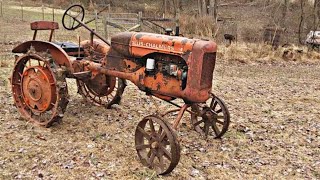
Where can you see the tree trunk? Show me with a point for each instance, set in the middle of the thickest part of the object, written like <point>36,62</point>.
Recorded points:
<point>204,7</point>
<point>284,14</point>
<point>200,8</point>
<point>164,8</point>
<point>316,14</point>
<point>177,6</point>
<point>301,21</point>
<point>213,5</point>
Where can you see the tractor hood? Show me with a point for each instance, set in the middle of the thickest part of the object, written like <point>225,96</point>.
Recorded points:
<point>133,44</point>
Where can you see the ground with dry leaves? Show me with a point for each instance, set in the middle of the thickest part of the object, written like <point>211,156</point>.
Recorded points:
<point>274,134</point>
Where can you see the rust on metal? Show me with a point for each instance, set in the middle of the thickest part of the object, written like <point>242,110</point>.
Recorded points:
<point>178,119</point>
<point>44,25</point>
<point>213,119</point>
<point>157,145</point>
<point>164,66</point>
<point>58,54</point>
<point>40,93</point>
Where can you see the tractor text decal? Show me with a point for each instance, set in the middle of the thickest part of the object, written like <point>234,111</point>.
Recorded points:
<point>153,46</point>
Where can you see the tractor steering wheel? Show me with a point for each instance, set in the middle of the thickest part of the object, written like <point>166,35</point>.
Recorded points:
<point>72,16</point>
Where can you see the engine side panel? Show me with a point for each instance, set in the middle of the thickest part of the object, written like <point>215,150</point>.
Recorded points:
<point>183,67</point>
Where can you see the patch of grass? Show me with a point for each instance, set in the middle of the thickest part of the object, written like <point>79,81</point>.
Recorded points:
<point>316,174</point>
<point>255,52</point>
<point>4,63</point>
<point>149,174</point>
<point>235,135</point>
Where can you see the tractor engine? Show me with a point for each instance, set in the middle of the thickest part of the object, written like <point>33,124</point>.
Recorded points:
<point>165,66</point>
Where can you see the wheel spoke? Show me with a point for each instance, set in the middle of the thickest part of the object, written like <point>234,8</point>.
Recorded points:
<point>73,22</point>
<point>199,122</point>
<point>142,146</point>
<point>220,117</point>
<point>162,136</point>
<point>152,126</point>
<point>214,102</point>
<point>161,162</point>
<point>220,122</point>
<point>215,129</point>
<point>78,15</point>
<point>145,134</point>
<point>153,155</point>
<point>219,111</point>
<point>166,153</point>
<point>160,130</point>
<point>69,15</point>
<point>206,128</point>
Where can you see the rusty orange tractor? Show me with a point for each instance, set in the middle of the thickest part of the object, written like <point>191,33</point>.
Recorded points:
<point>166,67</point>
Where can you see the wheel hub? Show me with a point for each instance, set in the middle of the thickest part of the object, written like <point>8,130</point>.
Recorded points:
<point>209,116</point>
<point>101,85</point>
<point>154,145</point>
<point>35,91</point>
<point>214,118</point>
<point>38,88</point>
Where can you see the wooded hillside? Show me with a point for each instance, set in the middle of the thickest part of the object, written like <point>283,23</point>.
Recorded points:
<point>245,19</point>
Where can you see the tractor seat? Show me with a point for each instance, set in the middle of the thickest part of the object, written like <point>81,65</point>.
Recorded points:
<point>71,48</point>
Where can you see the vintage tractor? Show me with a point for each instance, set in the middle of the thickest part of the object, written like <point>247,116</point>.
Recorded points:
<point>166,67</point>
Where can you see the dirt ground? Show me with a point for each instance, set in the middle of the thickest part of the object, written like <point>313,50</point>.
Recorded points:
<point>274,134</point>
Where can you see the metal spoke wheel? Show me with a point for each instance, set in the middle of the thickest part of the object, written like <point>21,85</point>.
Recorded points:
<point>102,90</point>
<point>39,88</point>
<point>211,120</point>
<point>71,15</point>
<point>157,145</point>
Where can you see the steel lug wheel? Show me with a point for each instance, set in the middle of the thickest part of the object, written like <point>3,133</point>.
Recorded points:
<point>103,90</point>
<point>39,88</point>
<point>211,120</point>
<point>157,145</point>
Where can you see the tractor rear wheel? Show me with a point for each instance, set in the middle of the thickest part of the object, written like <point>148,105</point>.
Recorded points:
<point>39,88</point>
<point>102,90</point>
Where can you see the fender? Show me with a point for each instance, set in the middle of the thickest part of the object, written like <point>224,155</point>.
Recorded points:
<point>59,56</point>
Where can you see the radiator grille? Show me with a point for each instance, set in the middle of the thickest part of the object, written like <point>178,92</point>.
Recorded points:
<point>208,64</point>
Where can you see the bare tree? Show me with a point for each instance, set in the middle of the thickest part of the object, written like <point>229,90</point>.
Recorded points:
<point>302,3</point>
<point>316,7</point>
<point>164,3</point>
<point>318,12</point>
<point>200,7</point>
<point>204,7</point>
<point>213,9</point>
<point>284,13</point>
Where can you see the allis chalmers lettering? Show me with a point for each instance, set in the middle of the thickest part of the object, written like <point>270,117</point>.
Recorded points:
<point>152,45</point>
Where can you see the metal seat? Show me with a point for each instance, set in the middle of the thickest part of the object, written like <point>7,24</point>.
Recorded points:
<point>44,25</point>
